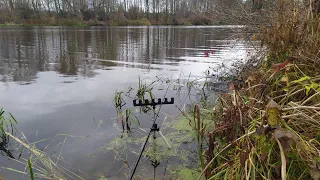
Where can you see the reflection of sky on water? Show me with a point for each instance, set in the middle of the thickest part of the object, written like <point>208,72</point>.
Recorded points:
<point>57,80</point>
<point>50,91</point>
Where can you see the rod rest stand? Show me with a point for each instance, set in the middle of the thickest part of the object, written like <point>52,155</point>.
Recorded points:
<point>153,102</point>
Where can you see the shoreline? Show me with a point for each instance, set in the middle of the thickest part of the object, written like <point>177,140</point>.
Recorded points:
<point>268,125</point>
<point>118,22</point>
<point>86,25</point>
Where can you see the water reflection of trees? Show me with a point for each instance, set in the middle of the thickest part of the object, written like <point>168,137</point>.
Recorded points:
<point>77,51</point>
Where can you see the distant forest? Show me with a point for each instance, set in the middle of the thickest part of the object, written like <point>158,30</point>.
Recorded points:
<point>132,12</point>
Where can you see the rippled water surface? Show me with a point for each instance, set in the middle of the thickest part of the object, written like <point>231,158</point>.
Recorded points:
<point>62,80</point>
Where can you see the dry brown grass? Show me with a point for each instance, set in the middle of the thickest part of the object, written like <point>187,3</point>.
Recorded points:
<point>270,129</point>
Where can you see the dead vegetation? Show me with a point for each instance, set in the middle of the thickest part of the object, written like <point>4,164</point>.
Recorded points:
<point>269,128</point>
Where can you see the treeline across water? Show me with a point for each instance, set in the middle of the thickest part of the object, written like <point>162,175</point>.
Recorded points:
<point>128,12</point>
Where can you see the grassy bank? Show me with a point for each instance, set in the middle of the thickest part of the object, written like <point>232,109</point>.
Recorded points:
<point>120,21</point>
<point>268,126</point>
<point>76,22</point>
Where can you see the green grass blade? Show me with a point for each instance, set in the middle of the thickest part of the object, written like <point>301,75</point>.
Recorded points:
<point>218,174</point>
<point>30,169</point>
<point>14,119</point>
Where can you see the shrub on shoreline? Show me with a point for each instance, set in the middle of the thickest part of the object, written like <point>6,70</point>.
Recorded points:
<point>127,22</point>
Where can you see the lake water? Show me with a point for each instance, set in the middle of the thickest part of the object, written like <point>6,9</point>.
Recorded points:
<point>62,80</point>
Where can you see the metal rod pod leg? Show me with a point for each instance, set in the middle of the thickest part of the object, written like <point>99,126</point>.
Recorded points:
<point>138,160</point>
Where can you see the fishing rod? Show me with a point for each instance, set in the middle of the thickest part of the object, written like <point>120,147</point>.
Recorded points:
<point>154,128</point>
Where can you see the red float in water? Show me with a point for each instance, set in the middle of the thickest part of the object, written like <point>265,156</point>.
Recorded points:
<point>208,53</point>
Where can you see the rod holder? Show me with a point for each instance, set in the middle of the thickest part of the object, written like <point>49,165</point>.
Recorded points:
<point>153,102</point>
